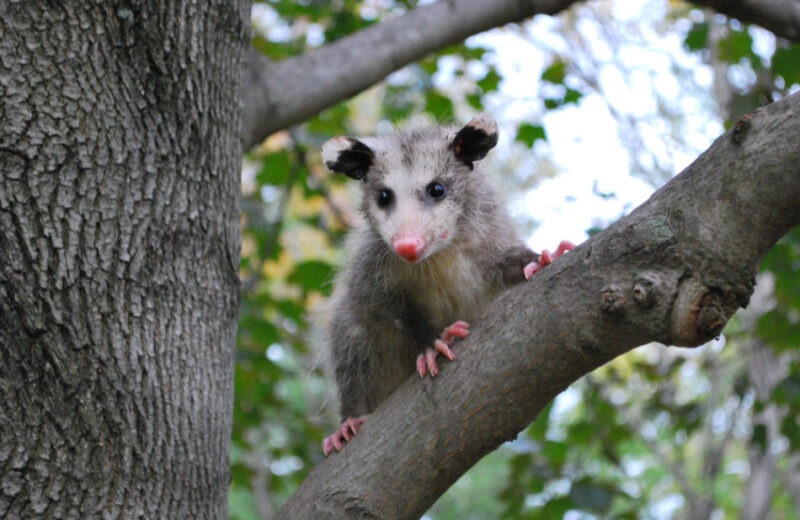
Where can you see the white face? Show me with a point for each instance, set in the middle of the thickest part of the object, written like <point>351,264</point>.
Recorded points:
<point>417,182</point>
<point>412,195</point>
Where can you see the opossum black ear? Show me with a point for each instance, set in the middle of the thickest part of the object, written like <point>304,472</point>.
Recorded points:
<point>348,156</point>
<point>474,141</point>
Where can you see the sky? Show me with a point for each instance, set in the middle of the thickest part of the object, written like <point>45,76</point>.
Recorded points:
<point>631,77</point>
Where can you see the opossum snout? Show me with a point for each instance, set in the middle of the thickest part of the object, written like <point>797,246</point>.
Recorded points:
<point>409,247</point>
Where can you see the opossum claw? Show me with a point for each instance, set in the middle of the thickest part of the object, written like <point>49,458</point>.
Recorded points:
<point>426,362</point>
<point>459,329</point>
<point>347,430</point>
<point>546,258</point>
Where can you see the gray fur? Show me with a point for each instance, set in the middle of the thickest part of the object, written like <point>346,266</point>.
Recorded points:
<point>385,311</point>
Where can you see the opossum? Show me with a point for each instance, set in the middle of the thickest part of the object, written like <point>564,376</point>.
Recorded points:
<point>437,246</point>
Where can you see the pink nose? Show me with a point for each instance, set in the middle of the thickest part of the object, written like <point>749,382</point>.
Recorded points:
<point>409,248</point>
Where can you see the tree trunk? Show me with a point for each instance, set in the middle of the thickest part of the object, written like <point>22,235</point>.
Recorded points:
<point>672,271</point>
<point>119,255</point>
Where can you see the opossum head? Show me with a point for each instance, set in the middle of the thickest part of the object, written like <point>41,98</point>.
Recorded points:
<point>416,182</point>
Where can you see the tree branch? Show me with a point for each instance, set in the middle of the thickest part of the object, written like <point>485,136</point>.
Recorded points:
<point>279,94</point>
<point>782,17</point>
<point>672,271</point>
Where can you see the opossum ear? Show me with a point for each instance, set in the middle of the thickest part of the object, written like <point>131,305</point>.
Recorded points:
<point>348,156</point>
<point>474,141</point>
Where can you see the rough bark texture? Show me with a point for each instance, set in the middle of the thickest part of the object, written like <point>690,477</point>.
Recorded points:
<point>673,271</point>
<point>119,244</point>
<point>337,71</point>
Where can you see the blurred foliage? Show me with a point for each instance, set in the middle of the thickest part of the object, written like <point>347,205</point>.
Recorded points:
<point>294,214</point>
<point>658,433</point>
<point>759,77</point>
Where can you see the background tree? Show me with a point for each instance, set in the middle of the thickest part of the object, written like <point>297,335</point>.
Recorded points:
<point>119,221</point>
<point>686,465</point>
<point>119,240</point>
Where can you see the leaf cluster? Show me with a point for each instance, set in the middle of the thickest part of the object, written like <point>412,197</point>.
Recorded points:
<point>622,443</point>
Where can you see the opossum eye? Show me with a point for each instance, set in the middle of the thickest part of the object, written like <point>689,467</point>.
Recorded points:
<point>385,197</point>
<point>436,190</point>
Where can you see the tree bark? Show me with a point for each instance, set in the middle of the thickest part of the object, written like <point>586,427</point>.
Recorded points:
<point>673,271</point>
<point>119,256</point>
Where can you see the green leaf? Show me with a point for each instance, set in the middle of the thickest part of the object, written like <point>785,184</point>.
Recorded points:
<point>759,437</point>
<point>528,134</point>
<point>775,328</point>
<point>737,46</point>
<point>572,96</point>
<point>556,452</point>
<point>697,38</point>
<point>475,101</point>
<point>790,428</point>
<point>241,504</point>
<point>538,430</point>
<point>555,73</point>
<point>343,23</point>
<point>275,169</point>
<point>439,105</point>
<point>557,508</point>
<point>290,308</point>
<point>475,53</point>
<point>490,81</point>
<point>581,433</point>
<point>330,122</point>
<point>786,63</point>
<point>263,331</point>
<point>429,65</point>
<point>312,275</point>
<point>788,390</point>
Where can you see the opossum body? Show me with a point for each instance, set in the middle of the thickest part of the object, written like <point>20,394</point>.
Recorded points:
<point>437,247</point>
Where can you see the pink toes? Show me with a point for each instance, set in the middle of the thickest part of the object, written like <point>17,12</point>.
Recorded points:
<point>426,362</point>
<point>546,258</point>
<point>563,247</point>
<point>348,429</point>
<point>459,329</point>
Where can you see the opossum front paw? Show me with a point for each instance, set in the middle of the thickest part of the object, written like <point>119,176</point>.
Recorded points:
<point>348,429</point>
<point>426,362</point>
<point>546,258</point>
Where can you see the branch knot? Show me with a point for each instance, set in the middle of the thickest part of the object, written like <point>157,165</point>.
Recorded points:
<point>612,299</point>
